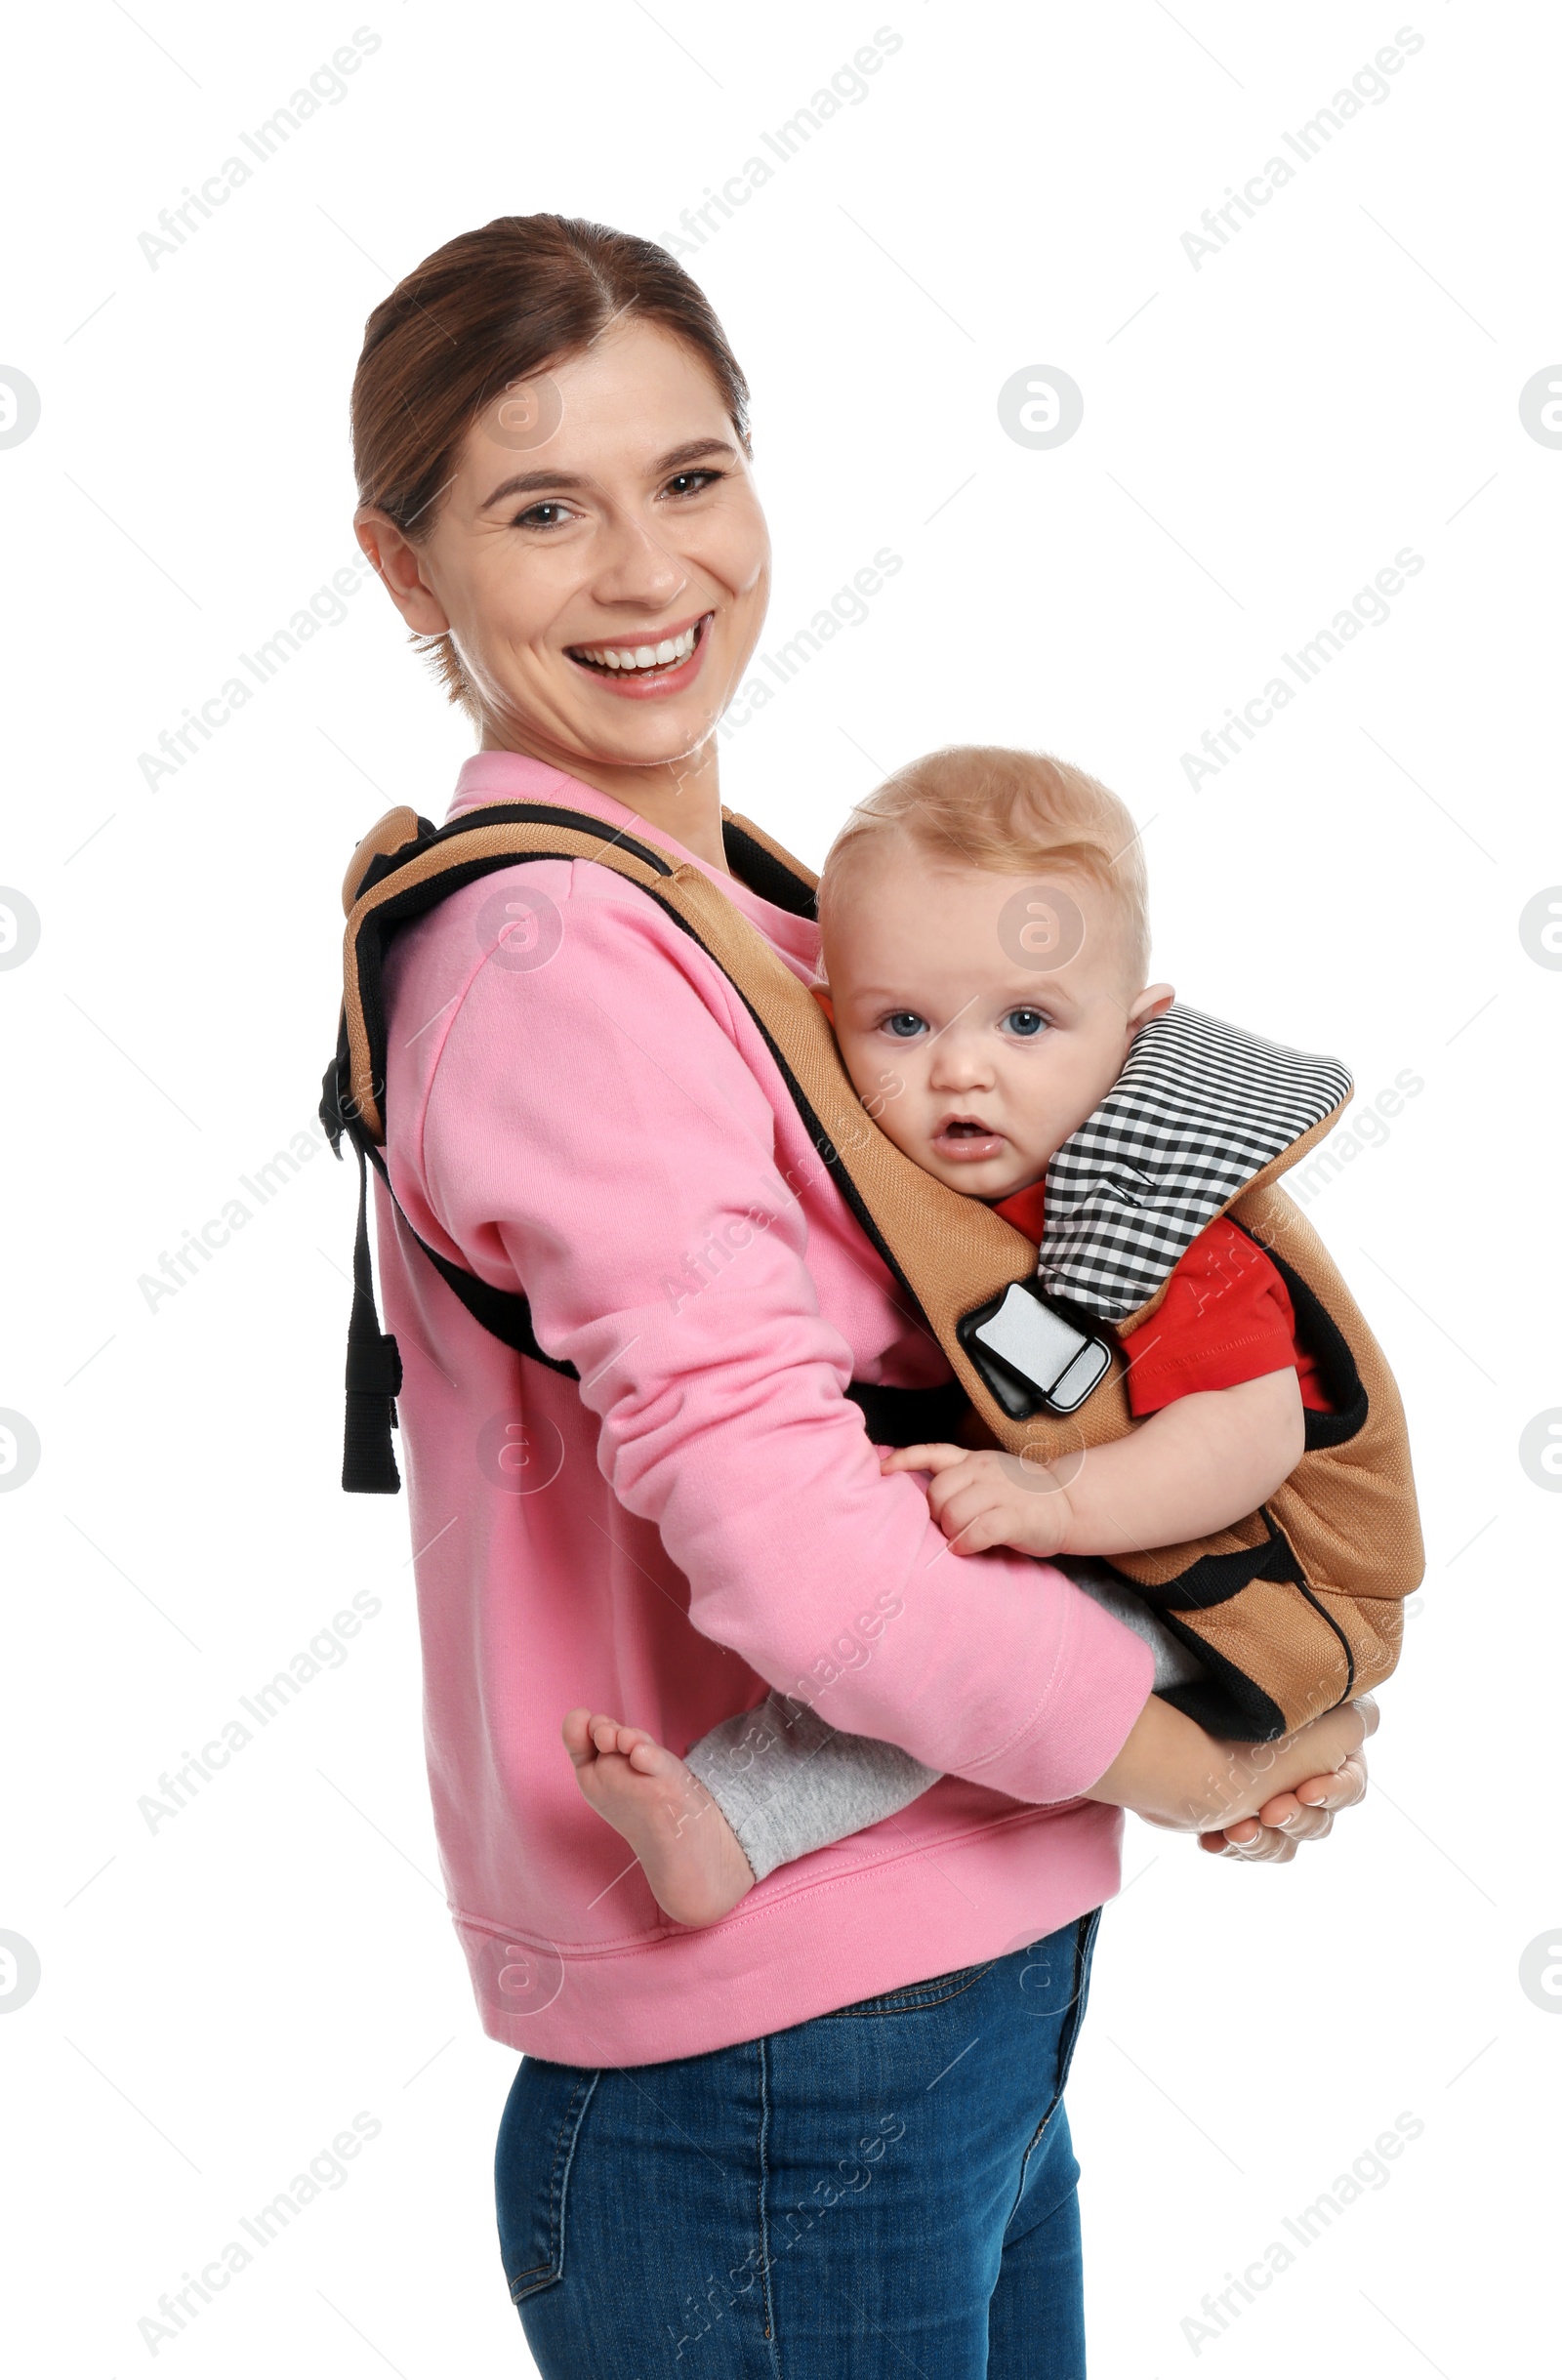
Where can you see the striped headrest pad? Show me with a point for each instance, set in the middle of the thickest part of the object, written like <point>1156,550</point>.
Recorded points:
<point>1198,1110</point>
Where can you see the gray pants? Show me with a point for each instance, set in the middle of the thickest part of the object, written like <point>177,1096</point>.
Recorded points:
<point>788,1784</point>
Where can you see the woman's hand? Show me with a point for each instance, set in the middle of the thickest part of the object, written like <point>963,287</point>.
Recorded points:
<point>1256,1800</point>
<point>1304,1816</point>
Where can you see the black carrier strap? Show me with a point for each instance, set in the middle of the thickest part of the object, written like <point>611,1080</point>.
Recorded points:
<point>373,1369</point>
<point>895,1417</point>
<point>910,1416</point>
<point>373,1359</point>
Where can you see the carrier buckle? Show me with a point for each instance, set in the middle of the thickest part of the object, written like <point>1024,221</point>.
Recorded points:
<point>1031,1353</point>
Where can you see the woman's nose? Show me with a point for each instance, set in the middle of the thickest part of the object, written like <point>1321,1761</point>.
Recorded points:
<point>635,568</point>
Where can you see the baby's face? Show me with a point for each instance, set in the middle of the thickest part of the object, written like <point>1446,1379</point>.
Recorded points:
<point>982,1017</point>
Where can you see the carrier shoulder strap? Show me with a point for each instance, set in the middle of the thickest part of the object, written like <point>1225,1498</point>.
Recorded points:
<point>925,1234</point>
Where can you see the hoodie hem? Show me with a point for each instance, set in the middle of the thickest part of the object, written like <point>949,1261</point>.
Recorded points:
<point>843,1936</point>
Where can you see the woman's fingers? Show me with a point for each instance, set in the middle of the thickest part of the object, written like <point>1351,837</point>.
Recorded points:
<point>1260,1846</point>
<point>1347,1784</point>
<point>1289,1820</point>
<point>1300,1826</point>
<point>1245,1840</point>
<point>1339,1791</point>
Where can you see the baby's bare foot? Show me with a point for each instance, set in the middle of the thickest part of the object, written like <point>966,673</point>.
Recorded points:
<point>692,1860</point>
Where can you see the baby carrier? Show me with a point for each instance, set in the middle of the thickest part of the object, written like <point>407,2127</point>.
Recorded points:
<point>1293,1609</point>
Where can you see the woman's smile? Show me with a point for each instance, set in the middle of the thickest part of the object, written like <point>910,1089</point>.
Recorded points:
<point>650,661</point>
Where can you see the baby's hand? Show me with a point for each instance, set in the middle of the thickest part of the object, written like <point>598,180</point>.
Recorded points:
<point>990,1498</point>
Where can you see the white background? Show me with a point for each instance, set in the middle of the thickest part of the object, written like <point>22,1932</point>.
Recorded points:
<point>1261,435</point>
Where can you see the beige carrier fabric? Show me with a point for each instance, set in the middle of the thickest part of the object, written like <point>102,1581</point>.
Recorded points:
<point>1348,1511</point>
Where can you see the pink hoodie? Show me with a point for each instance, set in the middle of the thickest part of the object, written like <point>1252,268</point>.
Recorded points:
<point>703,1515</point>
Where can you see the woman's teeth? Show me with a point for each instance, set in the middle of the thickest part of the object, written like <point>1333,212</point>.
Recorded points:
<point>639,656</point>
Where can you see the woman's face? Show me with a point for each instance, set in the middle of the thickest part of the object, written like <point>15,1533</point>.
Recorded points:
<point>599,556</point>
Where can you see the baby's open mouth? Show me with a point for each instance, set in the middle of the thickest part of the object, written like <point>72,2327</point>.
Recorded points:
<point>646,661</point>
<point>966,1139</point>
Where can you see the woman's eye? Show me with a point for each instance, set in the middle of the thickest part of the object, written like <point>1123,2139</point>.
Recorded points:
<point>691,483</point>
<point>905,1024</point>
<point>1025,1023</point>
<point>545,515</point>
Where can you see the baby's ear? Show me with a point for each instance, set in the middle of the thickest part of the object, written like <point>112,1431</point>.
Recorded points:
<point>1153,1000</point>
<point>821,993</point>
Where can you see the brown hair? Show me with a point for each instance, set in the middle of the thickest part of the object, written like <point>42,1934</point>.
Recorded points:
<point>983,806</point>
<point>497,305</point>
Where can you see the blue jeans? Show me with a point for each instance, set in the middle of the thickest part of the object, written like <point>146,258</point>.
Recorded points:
<point>886,2191</point>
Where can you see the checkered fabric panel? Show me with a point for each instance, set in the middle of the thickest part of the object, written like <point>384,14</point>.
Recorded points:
<point>1198,1110</point>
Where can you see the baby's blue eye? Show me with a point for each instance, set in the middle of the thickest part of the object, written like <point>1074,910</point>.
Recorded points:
<point>905,1024</point>
<point>1025,1023</point>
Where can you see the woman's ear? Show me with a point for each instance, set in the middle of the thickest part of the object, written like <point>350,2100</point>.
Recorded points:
<point>399,566</point>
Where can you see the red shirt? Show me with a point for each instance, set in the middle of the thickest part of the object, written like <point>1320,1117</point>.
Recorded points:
<point>1226,1317</point>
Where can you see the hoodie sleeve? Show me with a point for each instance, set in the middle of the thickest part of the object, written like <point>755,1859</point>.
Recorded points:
<point>602,1131</point>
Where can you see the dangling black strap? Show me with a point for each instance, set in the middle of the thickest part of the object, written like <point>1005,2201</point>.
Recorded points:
<point>374,1373</point>
<point>373,1359</point>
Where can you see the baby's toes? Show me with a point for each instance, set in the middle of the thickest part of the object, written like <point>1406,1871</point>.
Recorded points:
<point>639,1747</point>
<point>650,1758</point>
<point>575,1731</point>
<point>605,1733</point>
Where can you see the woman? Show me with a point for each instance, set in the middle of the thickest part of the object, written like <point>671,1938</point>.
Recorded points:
<point>826,2135</point>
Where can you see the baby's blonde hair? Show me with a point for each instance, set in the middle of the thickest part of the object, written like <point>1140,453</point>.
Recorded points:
<point>1018,813</point>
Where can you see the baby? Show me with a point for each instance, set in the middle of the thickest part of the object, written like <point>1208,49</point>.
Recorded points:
<point>985,945</point>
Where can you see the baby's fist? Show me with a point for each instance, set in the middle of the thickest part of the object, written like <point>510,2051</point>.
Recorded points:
<point>984,1500</point>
